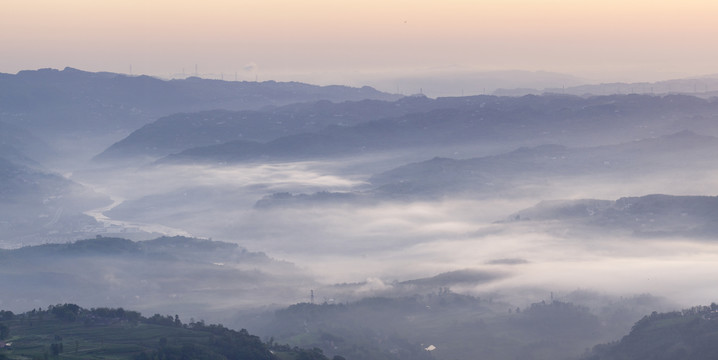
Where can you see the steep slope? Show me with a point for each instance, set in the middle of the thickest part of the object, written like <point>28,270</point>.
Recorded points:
<point>20,145</point>
<point>36,205</point>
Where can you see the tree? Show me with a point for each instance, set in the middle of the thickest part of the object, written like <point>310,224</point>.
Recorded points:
<point>6,315</point>
<point>56,349</point>
<point>67,312</point>
<point>4,332</point>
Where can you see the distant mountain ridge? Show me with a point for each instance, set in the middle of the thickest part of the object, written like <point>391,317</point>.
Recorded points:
<point>26,96</point>
<point>20,146</point>
<point>525,121</point>
<point>523,170</point>
<point>74,110</point>
<point>701,86</point>
<point>178,132</point>
<point>508,171</point>
<point>161,273</point>
<point>649,215</point>
<point>457,81</point>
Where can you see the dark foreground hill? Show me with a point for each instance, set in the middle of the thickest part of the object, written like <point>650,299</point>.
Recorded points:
<point>448,326</point>
<point>688,334</point>
<point>68,331</point>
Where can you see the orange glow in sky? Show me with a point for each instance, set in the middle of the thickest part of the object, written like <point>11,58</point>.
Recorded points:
<point>607,39</point>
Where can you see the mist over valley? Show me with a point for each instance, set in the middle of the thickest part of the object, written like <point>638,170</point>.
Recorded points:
<point>367,224</point>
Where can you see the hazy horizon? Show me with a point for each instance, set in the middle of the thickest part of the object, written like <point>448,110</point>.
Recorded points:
<point>351,43</point>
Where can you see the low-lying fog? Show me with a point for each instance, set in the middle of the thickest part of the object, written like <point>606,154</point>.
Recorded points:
<point>372,242</point>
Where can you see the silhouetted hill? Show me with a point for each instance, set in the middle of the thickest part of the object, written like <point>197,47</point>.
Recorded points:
<point>116,101</point>
<point>521,172</point>
<point>20,146</point>
<point>650,215</point>
<point>179,132</point>
<point>706,86</point>
<point>702,86</point>
<point>534,166</point>
<point>75,110</point>
<point>453,278</point>
<point>457,81</point>
<point>447,325</point>
<point>688,334</point>
<point>487,121</point>
<point>187,276</point>
<point>36,205</point>
<point>68,331</point>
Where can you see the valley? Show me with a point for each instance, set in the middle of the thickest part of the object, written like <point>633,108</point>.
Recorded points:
<point>361,223</point>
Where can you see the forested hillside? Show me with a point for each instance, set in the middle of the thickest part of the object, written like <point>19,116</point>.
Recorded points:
<point>688,334</point>
<point>67,331</point>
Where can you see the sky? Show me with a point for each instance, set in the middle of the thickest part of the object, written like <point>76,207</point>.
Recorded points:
<point>345,42</point>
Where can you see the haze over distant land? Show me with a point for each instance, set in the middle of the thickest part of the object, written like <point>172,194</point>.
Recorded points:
<point>364,43</point>
<point>360,222</point>
<point>390,180</point>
